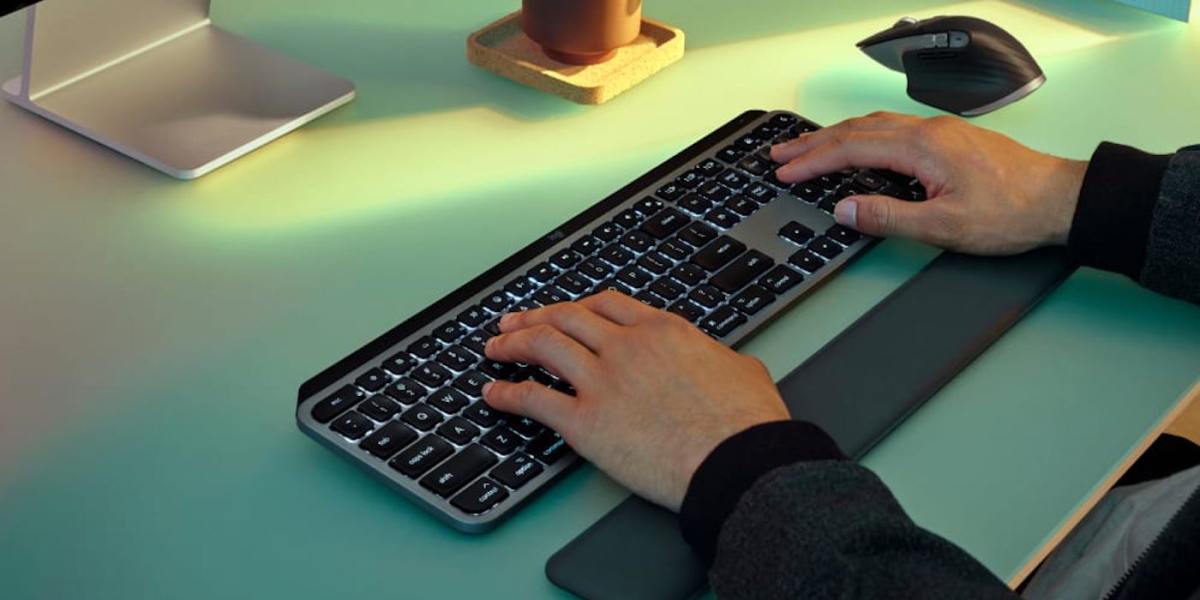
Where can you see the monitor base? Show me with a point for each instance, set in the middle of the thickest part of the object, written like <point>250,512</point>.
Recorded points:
<point>191,104</point>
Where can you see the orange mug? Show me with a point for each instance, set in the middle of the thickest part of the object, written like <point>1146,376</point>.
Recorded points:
<point>581,32</point>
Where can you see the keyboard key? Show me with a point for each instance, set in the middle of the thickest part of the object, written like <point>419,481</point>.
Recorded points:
<point>718,253</point>
<point>747,142</point>
<point>431,374</point>
<point>421,456</point>
<point>587,245</point>
<point>688,310</point>
<point>502,439</point>
<point>379,408</point>
<point>607,232</point>
<point>482,415</point>
<point>473,316</point>
<point>829,203</point>
<point>695,204</point>
<point>573,283</point>
<point>796,233</point>
<point>541,272</point>
<point>710,167</point>
<point>497,302</point>
<point>475,341</point>
<point>655,262</point>
<point>616,255</point>
<point>665,223</point>
<point>688,274</point>
<point>843,235</point>
<point>352,425</point>
<point>422,417</point>
<point>742,271</point>
<point>325,410</point>
<point>517,471</point>
<point>707,296</point>
<point>517,288</point>
<point>808,192</point>
<point>650,299</point>
<point>667,288</point>
<point>399,364</point>
<point>752,299</point>
<point>755,165</point>
<point>424,347</point>
<point>722,217</point>
<point>565,259</point>
<point>723,321</point>
<point>448,400</point>
<point>471,383</point>
<point>733,179</point>
<point>551,294</point>
<point>613,285</point>
<point>741,205</point>
<point>497,369</point>
<point>731,154</point>
<point>825,247</point>
<point>480,496</point>
<point>390,439</point>
<point>807,260</point>
<point>783,120</point>
<point>871,182</point>
<point>690,179</point>
<point>781,279</point>
<point>458,430</point>
<point>675,250</point>
<point>671,192</point>
<point>548,447</point>
<point>405,391</point>
<point>628,218</point>
<point>697,234</point>
<point>595,269</point>
<point>714,192</point>
<point>761,193</point>
<point>648,206</point>
<point>457,358</point>
<point>453,474</point>
<point>449,332</point>
<point>638,241</point>
<point>634,277</point>
<point>526,427</point>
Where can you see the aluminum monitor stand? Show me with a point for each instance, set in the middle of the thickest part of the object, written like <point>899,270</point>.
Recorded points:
<point>157,81</point>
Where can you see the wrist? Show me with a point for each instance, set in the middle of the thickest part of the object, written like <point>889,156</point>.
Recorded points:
<point>1060,196</point>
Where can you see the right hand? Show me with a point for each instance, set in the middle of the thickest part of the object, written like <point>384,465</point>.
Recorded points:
<point>987,193</point>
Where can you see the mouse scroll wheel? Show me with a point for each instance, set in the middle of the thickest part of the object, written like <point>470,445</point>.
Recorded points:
<point>905,22</point>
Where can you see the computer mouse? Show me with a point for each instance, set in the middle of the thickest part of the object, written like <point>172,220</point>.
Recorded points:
<point>962,65</point>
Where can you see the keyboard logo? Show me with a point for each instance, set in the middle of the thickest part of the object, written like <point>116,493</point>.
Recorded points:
<point>556,236</point>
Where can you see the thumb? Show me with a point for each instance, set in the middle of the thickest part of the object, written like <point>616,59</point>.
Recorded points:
<point>534,400</point>
<point>883,216</point>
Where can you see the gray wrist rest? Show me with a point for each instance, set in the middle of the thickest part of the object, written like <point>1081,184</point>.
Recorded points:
<point>956,307</point>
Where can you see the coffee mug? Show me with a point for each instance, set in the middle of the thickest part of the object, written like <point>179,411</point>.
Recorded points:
<point>581,32</point>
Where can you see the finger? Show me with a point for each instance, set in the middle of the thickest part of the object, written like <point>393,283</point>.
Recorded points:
<point>618,307</point>
<point>570,318</point>
<point>546,346</point>
<point>534,400</point>
<point>883,216</point>
<point>877,121</point>
<point>875,149</point>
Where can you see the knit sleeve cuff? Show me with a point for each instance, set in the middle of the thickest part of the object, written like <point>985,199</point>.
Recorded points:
<point>735,465</point>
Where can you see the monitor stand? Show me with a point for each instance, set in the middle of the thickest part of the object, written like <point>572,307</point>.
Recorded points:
<point>157,81</point>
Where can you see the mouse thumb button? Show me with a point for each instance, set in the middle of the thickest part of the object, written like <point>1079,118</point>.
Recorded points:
<point>959,39</point>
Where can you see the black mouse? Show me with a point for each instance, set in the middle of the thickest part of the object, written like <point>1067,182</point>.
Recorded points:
<point>962,65</point>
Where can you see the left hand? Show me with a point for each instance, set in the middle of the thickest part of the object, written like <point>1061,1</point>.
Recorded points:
<point>654,394</point>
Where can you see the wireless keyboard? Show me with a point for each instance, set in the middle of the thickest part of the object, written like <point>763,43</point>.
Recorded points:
<point>710,234</point>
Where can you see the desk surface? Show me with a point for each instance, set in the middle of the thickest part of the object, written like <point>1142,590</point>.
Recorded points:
<point>154,332</point>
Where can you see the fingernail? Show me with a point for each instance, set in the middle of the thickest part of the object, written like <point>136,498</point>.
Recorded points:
<point>487,386</point>
<point>846,213</point>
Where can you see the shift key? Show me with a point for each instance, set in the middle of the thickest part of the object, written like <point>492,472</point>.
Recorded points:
<point>452,475</point>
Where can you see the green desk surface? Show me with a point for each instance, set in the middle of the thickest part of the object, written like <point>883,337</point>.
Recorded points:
<point>153,332</point>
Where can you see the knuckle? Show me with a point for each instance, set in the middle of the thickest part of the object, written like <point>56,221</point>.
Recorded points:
<point>880,213</point>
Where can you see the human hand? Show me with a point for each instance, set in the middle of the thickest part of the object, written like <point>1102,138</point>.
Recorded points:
<point>987,193</point>
<point>654,395</point>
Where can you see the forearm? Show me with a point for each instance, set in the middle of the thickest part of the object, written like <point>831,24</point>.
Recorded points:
<point>1139,214</point>
<point>822,526</point>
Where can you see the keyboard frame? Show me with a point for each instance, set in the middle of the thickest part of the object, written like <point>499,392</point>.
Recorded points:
<point>396,339</point>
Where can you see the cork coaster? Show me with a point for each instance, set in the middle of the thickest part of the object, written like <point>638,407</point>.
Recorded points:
<point>503,48</point>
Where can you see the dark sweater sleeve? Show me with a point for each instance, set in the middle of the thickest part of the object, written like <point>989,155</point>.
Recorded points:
<point>779,513</point>
<point>1139,214</point>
